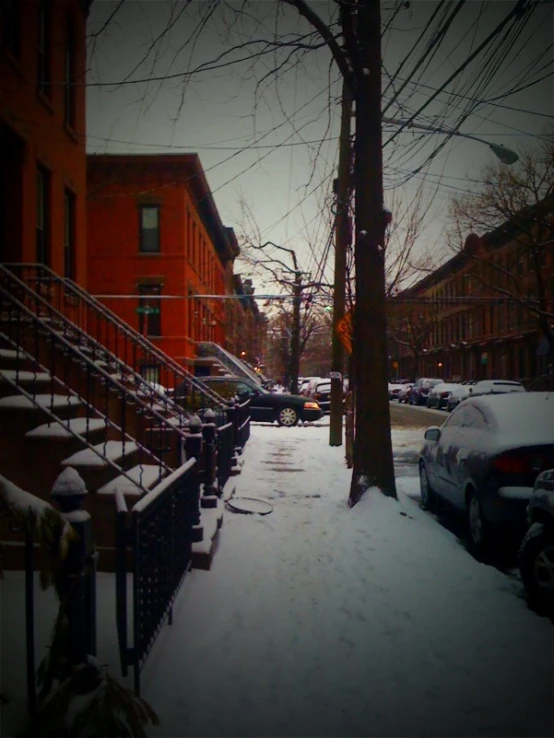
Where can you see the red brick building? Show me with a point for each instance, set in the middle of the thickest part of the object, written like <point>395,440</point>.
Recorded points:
<point>42,134</point>
<point>470,318</point>
<point>154,231</point>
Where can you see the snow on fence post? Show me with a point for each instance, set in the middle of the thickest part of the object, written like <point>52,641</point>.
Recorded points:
<point>75,583</point>
<point>193,450</point>
<point>209,497</point>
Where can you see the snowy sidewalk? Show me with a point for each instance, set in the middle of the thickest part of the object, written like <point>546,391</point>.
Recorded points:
<point>321,621</point>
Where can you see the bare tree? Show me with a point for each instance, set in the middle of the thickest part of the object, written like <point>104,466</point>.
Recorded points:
<point>410,325</point>
<point>515,205</point>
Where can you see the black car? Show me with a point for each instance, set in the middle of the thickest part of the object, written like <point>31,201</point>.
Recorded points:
<point>266,406</point>
<point>536,554</point>
<point>484,460</point>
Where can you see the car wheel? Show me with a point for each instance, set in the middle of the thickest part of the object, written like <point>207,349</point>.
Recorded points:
<point>287,417</point>
<point>536,565</point>
<point>428,498</point>
<point>478,528</point>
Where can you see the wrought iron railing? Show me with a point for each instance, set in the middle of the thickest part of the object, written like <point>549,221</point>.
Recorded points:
<point>70,372</point>
<point>109,330</point>
<point>225,453</point>
<point>229,360</point>
<point>243,425</point>
<point>157,533</point>
<point>93,349</point>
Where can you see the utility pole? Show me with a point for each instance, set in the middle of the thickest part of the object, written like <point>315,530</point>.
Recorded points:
<point>295,338</point>
<point>373,459</point>
<point>342,241</point>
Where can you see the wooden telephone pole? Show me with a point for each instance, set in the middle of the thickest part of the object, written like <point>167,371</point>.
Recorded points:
<point>342,241</point>
<point>373,459</point>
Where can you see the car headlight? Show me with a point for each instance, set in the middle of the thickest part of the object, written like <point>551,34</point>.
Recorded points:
<point>311,406</point>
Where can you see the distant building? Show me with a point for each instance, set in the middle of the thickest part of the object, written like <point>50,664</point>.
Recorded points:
<point>42,134</point>
<point>455,324</point>
<point>154,231</point>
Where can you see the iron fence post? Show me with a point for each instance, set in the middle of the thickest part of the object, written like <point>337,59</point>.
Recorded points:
<point>238,423</point>
<point>209,496</point>
<point>193,450</point>
<point>69,491</point>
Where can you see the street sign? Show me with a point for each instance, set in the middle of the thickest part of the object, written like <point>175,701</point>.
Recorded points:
<point>147,310</point>
<point>344,331</point>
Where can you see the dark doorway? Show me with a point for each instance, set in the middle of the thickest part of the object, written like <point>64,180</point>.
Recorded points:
<point>11,195</point>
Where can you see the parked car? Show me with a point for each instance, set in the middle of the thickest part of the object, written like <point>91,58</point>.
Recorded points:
<point>322,394</point>
<point>495,386</point>
<point>404,392</point>
<point>459,393</point>
<point>420,390</point>
<point>308,384</point>
<point>484,460</point>
<point>536,553</point>
<point>266,406</point>
<point>439,394</point>
<point>394,390</point>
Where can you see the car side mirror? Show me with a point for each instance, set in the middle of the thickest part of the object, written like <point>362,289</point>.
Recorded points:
<point>433,433</point>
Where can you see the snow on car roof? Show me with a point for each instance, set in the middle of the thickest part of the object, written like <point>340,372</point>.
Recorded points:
<point>519,417</point>
<point>444,386</point>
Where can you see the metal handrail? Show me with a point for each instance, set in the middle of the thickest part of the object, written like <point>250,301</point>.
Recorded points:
<point>85,338</point>
<point>111,317</point>
<point>108,378</point>
<point>229,360</point>
<point>56,418</point>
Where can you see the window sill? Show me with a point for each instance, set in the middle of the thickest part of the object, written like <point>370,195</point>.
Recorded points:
<point>46,101</point>
<point>13,62</point>
<point>149,253</point>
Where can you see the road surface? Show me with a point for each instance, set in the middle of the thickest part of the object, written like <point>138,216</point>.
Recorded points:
<point>415,416</point>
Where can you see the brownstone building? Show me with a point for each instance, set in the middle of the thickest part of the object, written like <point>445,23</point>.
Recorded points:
<point>472,318</point>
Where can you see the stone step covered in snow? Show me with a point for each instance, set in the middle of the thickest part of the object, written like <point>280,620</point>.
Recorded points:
<point>12,358</point>
<point>82,426</point>
<point>101,453</point>
<point>41,401</point>
<point>145,475</point>
<point>23,376</point>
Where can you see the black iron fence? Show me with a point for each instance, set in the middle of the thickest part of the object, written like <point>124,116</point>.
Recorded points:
<point>225,453</point>
<point>243,425</point>
<point>157,535</point>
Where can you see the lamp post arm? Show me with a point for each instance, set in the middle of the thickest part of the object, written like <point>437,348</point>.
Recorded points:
<point>505,155</point>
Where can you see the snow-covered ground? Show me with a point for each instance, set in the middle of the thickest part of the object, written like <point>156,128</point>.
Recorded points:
<point>317,620</point>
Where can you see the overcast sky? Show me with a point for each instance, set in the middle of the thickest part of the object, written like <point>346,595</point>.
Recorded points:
<point>269,141</point>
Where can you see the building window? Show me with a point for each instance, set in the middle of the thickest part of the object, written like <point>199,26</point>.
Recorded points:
<point>10,26</point>
<point>149,229</point>
<point>43,216</point>
<point>69,236</point>
<point>69,75</point>
<point>150,309</point>
<point>43,48</point>
<point>150,372</point>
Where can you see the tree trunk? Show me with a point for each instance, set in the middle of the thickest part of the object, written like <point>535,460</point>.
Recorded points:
<point>373,460</point>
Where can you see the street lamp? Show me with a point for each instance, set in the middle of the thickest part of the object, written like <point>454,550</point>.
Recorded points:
<point>506,156</point>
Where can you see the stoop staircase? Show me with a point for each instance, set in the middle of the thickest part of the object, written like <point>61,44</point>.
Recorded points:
<point>237,367</point>
<point>67,401</point>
